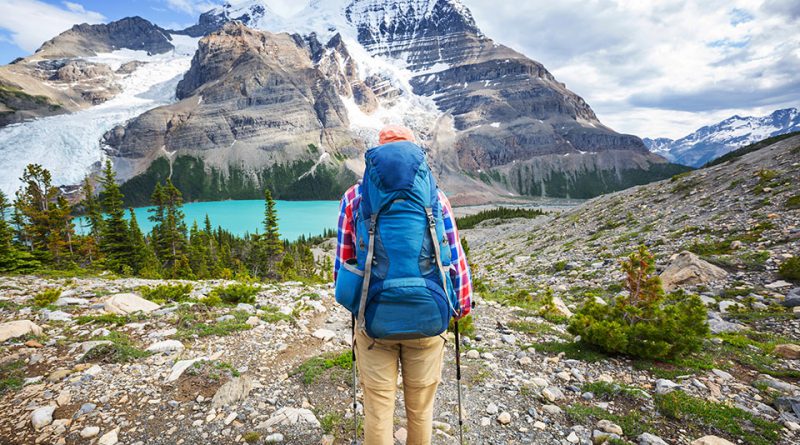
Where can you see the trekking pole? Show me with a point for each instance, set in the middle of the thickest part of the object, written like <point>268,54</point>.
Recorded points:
<point>353,358</point>
<point>458,383</point>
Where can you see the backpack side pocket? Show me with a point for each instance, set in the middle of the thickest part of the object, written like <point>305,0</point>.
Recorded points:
<point>348,285</point>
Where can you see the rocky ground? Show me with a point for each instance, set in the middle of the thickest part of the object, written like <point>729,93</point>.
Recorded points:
<point>103,366</point>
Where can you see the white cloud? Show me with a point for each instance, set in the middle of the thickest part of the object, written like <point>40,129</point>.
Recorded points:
<point>31,22</point>
<point>659,68</point>
<point>282,7</point>
<point>192,7</point>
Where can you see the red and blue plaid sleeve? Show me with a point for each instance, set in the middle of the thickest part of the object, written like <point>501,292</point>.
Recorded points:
<point>345,239</point>
<point>459,268</point>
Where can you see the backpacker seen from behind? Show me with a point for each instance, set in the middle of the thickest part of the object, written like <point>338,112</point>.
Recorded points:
<point>402,250</point>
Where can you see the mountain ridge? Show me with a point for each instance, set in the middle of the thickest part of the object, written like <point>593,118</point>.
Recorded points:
<point>712,141</point>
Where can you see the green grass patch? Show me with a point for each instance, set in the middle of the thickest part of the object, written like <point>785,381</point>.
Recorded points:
<point>313,368</point>
<point>571,350</point>
<point>793,203</point>
<point>733,422</point>
<point>790,269</point>
<point>213,370</point>
<point>191,324</point>
<point>251,436</point>
<point>537,328</point>
<point>114,319</point>
<point>272,314</point>
<point>11,376</point>
<point>633,423</point>
<point>121,350</point>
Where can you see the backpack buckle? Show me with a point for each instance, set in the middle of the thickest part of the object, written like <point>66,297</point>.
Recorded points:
<point>431,221</point>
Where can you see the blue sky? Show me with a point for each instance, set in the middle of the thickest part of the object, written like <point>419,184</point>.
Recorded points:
<point>651,68</point>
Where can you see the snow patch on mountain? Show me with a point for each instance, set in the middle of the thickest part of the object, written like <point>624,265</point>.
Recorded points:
<point>69,145</point>
<point>713,141</point>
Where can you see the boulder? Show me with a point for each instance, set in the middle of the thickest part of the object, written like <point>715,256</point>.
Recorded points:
<point>650,439</point>
<point>124,304</point>
<point>609,427</point>
<point>561,308</point>
<point>788,405</point>
<point>109,438</point>
<point>19,328</point>
<point>790,351</point>
<point>180,366</point>
<point>504,418</point>
<point>90,431</point>
<point>71,301</point>
<point>664,386</point>
<point>291,416</point>
<point>166,347</point>
<point>719,326</point>
<point>776,384</point>
<point>41,417</point>
<point>56,315</point>
<point>687,269</point>
<point>232,392</point>
<point>324,334</point>
<point>711,440</point>
<point>244,307</point>
<point>793,298</point>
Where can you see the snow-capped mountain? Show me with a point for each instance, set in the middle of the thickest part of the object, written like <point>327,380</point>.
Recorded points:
<point>713,141</point>
<point>292,103</point>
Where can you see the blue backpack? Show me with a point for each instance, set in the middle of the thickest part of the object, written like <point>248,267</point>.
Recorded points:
<point>398,284</point>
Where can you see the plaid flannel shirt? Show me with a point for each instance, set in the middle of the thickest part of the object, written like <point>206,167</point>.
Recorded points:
<point>459,268</point>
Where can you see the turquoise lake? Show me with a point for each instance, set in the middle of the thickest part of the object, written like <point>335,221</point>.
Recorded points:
<point>295,218</point>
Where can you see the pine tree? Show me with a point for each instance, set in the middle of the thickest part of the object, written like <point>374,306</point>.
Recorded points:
<point>11,257</point>
<point>115,232</point>
<point>92,207</point>
<point>8,252</point>
<point>143,259</point>
<point>271,237</point>
<point>157,213</point>
<point>43,217</point>
<point>169,231</point>
<point>198,252</point>
<point>62,232</point>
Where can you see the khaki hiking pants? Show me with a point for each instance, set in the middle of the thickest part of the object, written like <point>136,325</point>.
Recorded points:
<point>377,361</point>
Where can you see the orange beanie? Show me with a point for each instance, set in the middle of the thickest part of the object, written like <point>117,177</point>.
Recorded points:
<point>395,133</point>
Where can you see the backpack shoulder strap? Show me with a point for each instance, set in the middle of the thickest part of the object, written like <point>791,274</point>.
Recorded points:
<point>367,273</point>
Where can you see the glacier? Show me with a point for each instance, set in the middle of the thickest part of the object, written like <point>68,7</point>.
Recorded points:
<point>69,145</point>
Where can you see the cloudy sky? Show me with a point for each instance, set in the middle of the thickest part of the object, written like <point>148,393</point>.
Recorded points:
<point>651,68</point>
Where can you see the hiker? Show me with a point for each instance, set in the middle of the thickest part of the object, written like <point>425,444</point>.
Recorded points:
<point>401,271</point>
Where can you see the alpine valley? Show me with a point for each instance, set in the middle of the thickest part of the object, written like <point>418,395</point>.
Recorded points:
<point>246,99</point>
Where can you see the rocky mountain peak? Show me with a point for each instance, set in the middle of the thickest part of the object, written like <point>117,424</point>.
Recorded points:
<point>133,33</point>
<point>388,28</point>
<point>712,141</point>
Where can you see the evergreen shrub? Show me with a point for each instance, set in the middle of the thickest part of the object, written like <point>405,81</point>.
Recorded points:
<point>644,322</point>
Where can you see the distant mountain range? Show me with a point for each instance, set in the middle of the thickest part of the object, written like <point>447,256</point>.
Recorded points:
<point>712,141</point>
<point>247,99</point>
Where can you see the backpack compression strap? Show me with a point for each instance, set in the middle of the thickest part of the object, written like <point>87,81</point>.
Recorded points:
<point>438,253</point>
<point>362,325</point>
